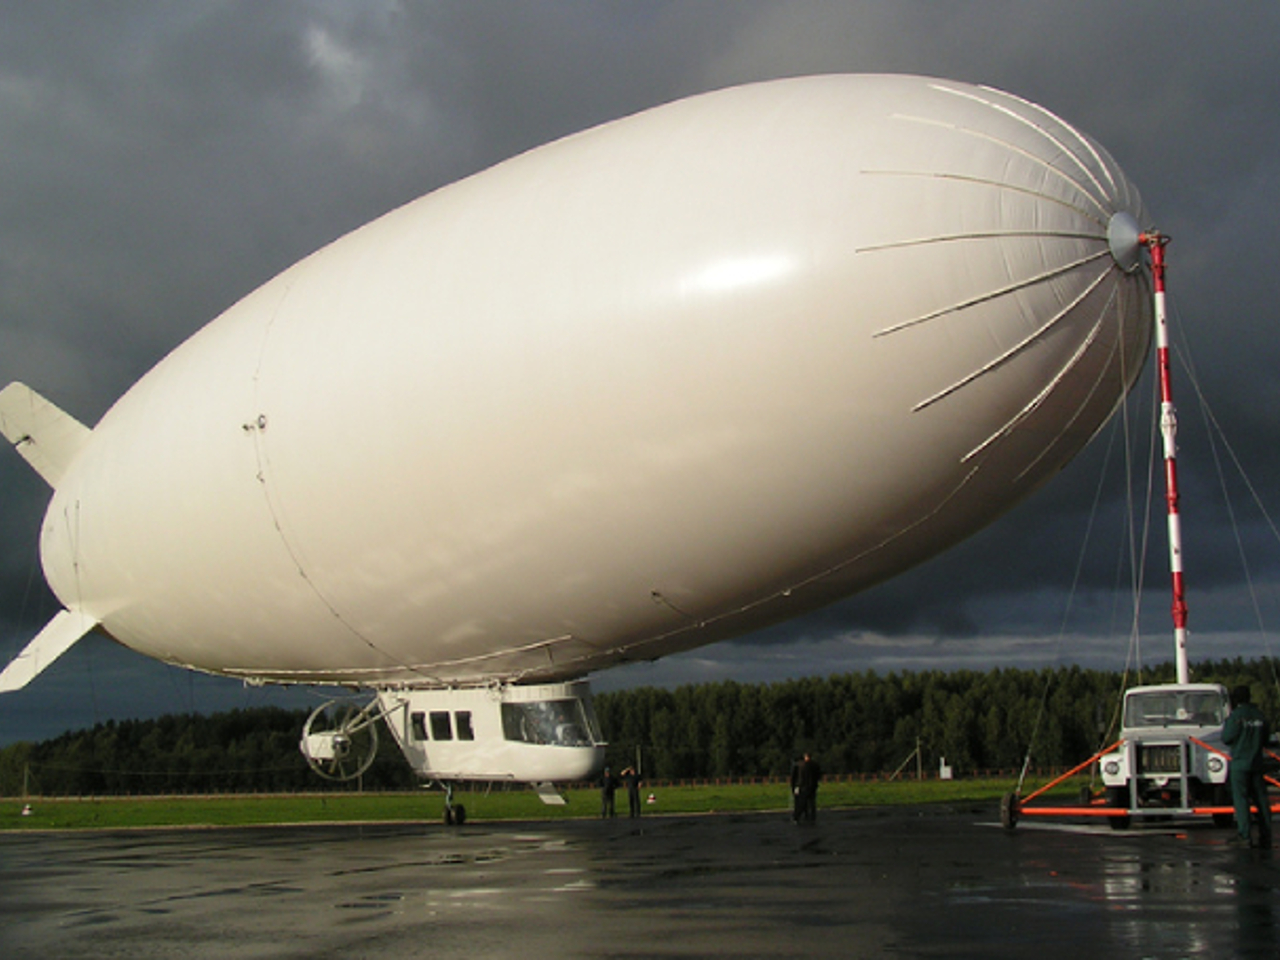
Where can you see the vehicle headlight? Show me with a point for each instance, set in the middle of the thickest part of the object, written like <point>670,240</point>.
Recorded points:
<point>1111,768</point>
<point>1215,764</point>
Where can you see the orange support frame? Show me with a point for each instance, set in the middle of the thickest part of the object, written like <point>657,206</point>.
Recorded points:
<point>1097,809</point>
<point>1070,773</point>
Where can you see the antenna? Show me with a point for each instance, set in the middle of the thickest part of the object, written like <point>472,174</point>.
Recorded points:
<point>1155,242</point>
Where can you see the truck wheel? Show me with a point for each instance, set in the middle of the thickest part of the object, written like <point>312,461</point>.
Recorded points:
<point>1118,797</point>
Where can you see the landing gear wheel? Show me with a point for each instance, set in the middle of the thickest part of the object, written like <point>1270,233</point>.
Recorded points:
<point>455,814</point>
<point>1010,808</point>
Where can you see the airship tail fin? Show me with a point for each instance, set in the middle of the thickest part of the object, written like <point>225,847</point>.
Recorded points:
<point>47,437</point>
<point>50,643</point>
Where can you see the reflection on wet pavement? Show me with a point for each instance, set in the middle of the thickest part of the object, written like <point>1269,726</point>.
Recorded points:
<point>929,882</point>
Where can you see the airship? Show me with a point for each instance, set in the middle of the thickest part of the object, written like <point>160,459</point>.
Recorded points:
<point>643,388</point>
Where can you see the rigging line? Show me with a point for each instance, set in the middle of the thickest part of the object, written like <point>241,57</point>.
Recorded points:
<point>1093,513</point>
<point>1194,380</point>
<point>1135,642</point>
<point>1212,427</point>
<point>1244,477</point>
<point>1088,533</point>
<point>1137,560</point>
<point>1154,461</point>
<point>73,532</point>
<point>1153,454</point>
<point>1115,606</point>
<point>1137,557</point>
<point>271,496</point>
<point>1235,529</point>
<point>279,517</point>
<point>1075,583</point>
<point>28,601</point>
<point>624,649</point>
<point>1210,424</point>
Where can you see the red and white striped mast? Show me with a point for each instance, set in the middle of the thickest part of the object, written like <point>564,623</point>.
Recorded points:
<point>1155,243</point>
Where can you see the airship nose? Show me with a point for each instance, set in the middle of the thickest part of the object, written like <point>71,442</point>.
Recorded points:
<point>1124,239</point>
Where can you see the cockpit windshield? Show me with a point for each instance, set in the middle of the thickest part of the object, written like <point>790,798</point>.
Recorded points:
<point>1173,708</point>
<point>560,723</point>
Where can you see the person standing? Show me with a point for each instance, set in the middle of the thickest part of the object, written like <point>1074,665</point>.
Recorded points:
<point>608,787</point>
<point>795,790</point>
<point>1246,732</point>
<point>805,776</point>
<point>631,780</point>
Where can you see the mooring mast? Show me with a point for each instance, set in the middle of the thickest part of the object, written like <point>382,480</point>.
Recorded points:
<point>1155,241</point>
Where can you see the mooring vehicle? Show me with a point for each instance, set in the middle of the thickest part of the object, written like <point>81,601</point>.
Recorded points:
<point>1170,757</point>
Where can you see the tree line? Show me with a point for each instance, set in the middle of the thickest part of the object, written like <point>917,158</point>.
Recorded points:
<point>861,723</point>
<point>238,751</point>
<point>867,723</point>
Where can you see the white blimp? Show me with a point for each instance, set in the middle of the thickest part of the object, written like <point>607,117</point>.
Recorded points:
<point>646,387</point>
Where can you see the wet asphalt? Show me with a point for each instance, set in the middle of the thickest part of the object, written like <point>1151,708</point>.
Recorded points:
<point>923,882</point>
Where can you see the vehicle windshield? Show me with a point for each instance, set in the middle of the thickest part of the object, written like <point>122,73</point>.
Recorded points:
<point>1167,708</point>
<point>561,723</point>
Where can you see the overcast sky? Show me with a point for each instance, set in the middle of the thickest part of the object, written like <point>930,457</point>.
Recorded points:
<point>160,160</point>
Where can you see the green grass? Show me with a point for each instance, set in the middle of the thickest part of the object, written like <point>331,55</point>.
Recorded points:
<point>242,810</point>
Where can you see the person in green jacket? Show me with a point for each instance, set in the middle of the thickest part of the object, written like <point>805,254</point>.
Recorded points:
<point>1246,732</point>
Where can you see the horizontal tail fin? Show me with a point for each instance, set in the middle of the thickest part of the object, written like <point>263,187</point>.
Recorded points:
<point>47,437</point>
<point>53,641</point>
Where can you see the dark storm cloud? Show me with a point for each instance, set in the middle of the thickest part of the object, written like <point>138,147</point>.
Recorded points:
<point>161,160</point>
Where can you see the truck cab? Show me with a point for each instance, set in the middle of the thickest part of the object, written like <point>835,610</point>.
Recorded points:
<point>1170,757</point>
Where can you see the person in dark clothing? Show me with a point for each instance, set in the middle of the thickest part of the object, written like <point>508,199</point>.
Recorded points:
<point>1246,732</point>
<point>608,787</point>
<point>631,780</point>
<point>805,776</point>
<point>795,793</point>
